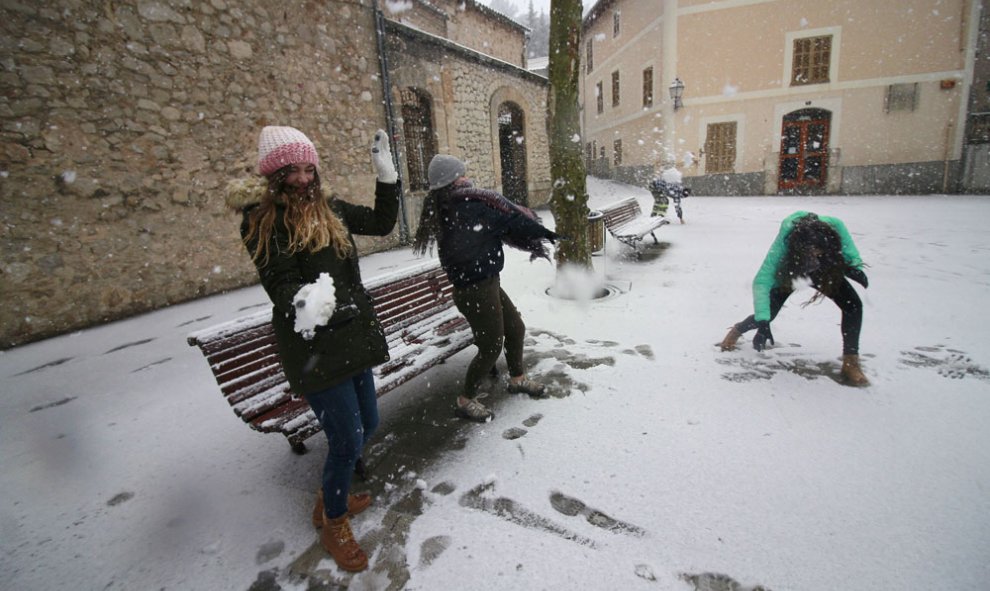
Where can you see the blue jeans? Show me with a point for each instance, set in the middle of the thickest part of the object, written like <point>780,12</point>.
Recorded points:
<point>348,412</point>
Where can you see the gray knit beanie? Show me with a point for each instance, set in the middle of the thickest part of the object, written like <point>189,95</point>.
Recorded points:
<point>444,170</point>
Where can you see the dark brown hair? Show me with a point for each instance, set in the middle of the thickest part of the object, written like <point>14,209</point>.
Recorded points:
<point>814,249</point>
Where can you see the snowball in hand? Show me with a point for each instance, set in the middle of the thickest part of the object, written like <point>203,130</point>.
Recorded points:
<point>314,304</point>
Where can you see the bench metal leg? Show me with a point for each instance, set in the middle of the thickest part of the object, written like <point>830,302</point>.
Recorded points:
<point>655,241</point>
<point>297,445</point>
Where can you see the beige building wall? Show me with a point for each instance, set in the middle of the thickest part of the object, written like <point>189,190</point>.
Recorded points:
<point>735,59</point>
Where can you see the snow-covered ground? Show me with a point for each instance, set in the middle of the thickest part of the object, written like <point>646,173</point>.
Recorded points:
<point>659,462</point>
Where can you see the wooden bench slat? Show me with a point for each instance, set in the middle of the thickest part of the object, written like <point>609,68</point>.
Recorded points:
<point>262,402</point>
<point>246,385</point>
<point>274,419</point>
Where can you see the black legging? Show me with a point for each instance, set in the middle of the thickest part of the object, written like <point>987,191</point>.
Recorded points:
<point>845,297</point>
<point>496,326</point>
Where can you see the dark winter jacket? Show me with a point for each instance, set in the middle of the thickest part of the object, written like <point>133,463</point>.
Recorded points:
<point>474,223</point>
<point>661,189</point>
<point>353,339</point>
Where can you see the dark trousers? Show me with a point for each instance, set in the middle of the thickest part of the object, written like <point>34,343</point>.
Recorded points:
<point>348,413</point>
<point>496,324</point>
<point>845,297</point>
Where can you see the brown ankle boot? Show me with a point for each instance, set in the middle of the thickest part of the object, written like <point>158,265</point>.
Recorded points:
<point>852,374</point>
<point>355,504</point>
<point>729,342</point>
<point>337,539</point>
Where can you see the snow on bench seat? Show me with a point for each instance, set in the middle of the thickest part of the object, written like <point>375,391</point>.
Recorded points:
<point>625,220</point>
<point>422,327</point>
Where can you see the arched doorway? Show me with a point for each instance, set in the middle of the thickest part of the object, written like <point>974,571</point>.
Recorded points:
<point>512,152</point>
<point>804,148</point>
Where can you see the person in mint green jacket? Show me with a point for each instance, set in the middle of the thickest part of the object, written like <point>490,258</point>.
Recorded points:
<point>820,249</point>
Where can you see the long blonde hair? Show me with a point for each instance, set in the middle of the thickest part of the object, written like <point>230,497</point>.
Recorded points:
<point>311,224</point>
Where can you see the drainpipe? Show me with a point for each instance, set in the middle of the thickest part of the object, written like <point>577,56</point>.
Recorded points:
<point>945,158</point>
<point>390,116</point>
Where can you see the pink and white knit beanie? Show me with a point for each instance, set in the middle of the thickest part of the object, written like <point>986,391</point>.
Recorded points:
<point>281,146</point>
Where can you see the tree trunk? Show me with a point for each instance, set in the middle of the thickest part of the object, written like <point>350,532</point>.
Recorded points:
<point>569,197</point>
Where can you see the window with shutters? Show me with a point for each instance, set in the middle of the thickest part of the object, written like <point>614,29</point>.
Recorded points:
<point>600,97</point>
<point>615,88</point>
<point>811,60</point>
<point>589,54</point>
<point>648,87</point>
<point>615,24</point>
<point>720,148</point>
<point>617,152</point>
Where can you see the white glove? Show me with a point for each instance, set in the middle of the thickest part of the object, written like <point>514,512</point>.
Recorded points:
<point>381,158</point>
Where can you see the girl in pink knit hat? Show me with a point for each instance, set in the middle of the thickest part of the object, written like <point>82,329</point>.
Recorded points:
<point>300,239</point>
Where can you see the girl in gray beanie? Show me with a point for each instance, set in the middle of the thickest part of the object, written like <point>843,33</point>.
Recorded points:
<point>469,226</point>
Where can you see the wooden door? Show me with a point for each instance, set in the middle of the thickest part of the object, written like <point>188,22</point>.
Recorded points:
<point>804,150</point>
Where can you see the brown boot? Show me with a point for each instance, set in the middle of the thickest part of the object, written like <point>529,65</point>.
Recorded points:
<point>852,374</point>
<point>337,539</point>
<point>729,342</point>
<point>355,504</point>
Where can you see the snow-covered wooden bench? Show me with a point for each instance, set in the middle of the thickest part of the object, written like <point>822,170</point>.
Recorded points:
<point>422,327</point>
<point>625,220</point>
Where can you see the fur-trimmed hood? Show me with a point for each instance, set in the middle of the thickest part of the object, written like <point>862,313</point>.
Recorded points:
<point>245,192</point>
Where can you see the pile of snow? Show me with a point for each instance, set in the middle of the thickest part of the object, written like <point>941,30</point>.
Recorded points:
<point>672,176</point>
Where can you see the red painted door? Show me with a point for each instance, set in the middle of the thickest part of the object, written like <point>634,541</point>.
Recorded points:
<point>804,150</point>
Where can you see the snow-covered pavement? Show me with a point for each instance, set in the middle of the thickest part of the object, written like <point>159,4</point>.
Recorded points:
<point>659,463</point>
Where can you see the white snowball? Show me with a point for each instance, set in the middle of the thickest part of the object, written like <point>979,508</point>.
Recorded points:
<point>318,302</point>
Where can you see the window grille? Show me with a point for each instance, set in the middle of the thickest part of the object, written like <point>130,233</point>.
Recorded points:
<point>648,88</point>
<point>420,141</point>
<point>901,97</point>
<point>615,88</point>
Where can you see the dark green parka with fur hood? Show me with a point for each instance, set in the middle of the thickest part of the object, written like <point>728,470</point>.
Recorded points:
<point>353,340</point>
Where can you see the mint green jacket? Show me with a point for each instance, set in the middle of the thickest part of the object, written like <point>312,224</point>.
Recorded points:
<point>766,277</point>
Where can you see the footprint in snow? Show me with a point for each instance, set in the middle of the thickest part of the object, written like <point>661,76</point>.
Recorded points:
<point>948,363</point>
<point>572,507</point>
<point>717,582</point>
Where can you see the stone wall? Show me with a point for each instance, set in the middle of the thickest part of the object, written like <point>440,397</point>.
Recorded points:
<point>121,122</point>
<point>486,31</point>
<point>466,89</point>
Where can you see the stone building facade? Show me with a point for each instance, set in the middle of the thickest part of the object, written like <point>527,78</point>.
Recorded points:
<point>470,24</point>
<point>467,92</point>
<point>120,124</point>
